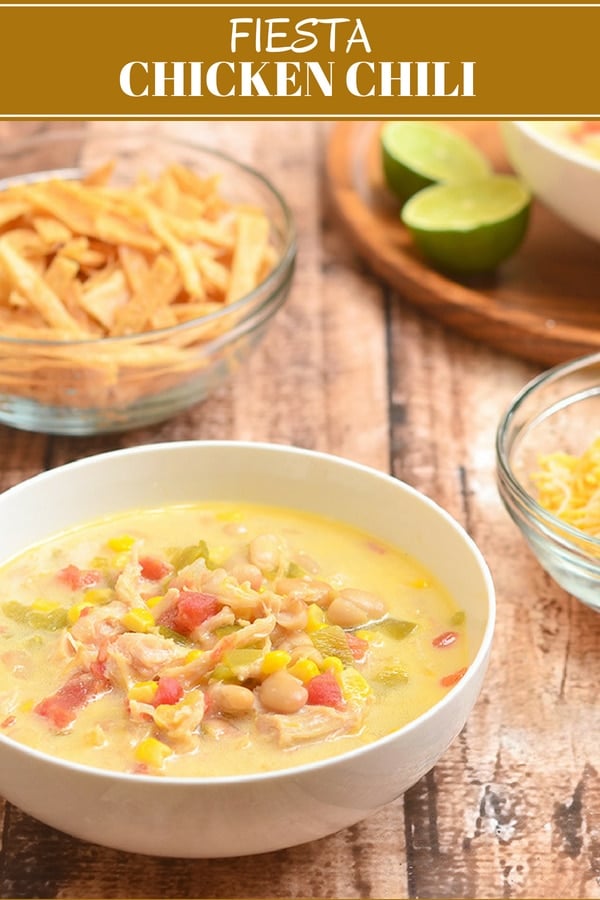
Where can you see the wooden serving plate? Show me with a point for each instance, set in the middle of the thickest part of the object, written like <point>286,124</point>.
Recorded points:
<point>542,305</point>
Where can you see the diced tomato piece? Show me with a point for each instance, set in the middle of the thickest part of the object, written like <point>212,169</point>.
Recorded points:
<point>357,646</point>
<point>77,578</point>
<point>169,691</point>
<point>583,129</point>
<point>446,639</point>
<point>153,568</point>
<point>62,707</point>
<point>453,678</point>
<point>194,608</point>
<point>376,548</point>
<point>323,690</point>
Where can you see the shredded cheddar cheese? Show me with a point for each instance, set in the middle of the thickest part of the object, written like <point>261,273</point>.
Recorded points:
<point>569,487</point>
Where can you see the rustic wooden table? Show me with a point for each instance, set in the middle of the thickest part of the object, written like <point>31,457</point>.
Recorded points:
<point>513,808</point>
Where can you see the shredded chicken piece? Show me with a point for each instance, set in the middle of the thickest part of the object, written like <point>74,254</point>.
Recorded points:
<point>140,657</point>
<point>192,576</point>
<point>179,722</point>
<point>311,723</point>
<point>204,635</point>
<point>299,645</point>
<point>8,702</point>
<point>98,624</point>
<point>293,615</point>
<point>128,586</point>
<point>192,673</point>
<point>167,603</point>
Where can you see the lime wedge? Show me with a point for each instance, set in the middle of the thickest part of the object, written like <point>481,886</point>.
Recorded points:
<point>469,227</point>
<point>418,154</point>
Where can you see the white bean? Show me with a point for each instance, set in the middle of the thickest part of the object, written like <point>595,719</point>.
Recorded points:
<point>245,571</point>
<point>353,607</point>
<point>310,591</point>
<point>232,699</point>
<point>264,552</point>
<point>282,693</point>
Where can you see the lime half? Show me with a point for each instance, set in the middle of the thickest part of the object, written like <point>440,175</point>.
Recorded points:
<point>418,154</point>
<point>469,227</point>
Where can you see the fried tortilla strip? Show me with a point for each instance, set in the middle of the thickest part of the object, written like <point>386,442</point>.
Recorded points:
<point>192,184</point>
<point>51,231</point>
<point>79,250</point>
<point>200,230</point>
<point>250,248</point>
<point>181,252</point>
<point>40,296</point>
<point>104,295</point>
<point>26,242</point>
<point>215,273</point>
<point>101,175</point>
<point>120,229</point>
<point>56,199</point>
<point>10,210</point>
<point>89,212</point>
<point>135,265</point>
<point>60,275</point>
<point>166,193</point>
<point>160,287</point>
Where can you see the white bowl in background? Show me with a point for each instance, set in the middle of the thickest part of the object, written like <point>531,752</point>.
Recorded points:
<point>231,816</point>
<point>563,178</point>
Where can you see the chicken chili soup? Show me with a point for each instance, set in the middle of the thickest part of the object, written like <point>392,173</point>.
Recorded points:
<point>219,640</point>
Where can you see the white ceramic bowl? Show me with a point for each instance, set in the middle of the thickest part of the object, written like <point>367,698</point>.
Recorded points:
<point>566,180</point>
<point>212,817</point>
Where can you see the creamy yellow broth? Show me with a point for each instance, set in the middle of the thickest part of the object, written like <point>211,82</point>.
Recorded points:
<point>68,612</point>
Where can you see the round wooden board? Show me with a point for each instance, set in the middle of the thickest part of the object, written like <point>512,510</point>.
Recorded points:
<point>542,305</point>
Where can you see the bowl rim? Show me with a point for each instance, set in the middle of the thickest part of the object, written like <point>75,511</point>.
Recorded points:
<point>569,535</point>
<point>528,127</point>
<point>475,670</point>
<point>273,282</point>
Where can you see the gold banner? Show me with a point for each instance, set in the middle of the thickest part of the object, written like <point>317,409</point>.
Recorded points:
<point>208,61</point>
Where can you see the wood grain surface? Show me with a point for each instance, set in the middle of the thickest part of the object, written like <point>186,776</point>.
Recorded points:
<point>513,808</point>
<point>541,304</point>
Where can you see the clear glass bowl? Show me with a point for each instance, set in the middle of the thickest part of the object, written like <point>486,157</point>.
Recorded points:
<point>82,387</point>
<point>558,410</point>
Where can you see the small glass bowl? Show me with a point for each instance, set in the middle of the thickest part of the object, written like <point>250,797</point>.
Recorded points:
<point>111,384</point>
<point>557,411</point>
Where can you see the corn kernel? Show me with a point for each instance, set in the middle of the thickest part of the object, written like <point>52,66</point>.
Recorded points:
<point>75,611</point>
<point>218,555</point>
<point>193,698</point>
<point>140,620</point>
<point>120,560</point>
<point>193,654</point>
<point>98,596</point>
<point>143,691</point>
<point>95,737</point>
<point>316,618</point>
<point>26,706</point>
<point>274,660</point>
<point>229,515</point>
<point>151,602</point>
<point>121,543</point>
<point>304,669</point>
<point>332,662</point>
<point>354,686</point>
<point>152,752</point>
<point>43,605</point>
<point>365,634</point>
<point>419,583</point>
